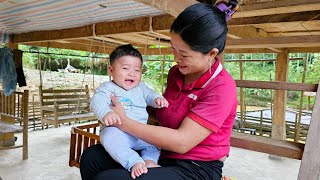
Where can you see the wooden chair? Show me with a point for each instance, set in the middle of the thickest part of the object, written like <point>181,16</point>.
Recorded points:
<point>14,108</point>
<point>67,105</point>
<point>81,138</point>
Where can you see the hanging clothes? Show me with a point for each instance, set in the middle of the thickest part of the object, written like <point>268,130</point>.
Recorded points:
<point>4,37</point>
<point>17,55</point>
<point>8,74</point>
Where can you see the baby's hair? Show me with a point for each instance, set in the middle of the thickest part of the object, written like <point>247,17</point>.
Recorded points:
<point>124,50</point>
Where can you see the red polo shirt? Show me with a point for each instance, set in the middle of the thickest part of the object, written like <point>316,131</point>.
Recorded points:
<point>210,101</point>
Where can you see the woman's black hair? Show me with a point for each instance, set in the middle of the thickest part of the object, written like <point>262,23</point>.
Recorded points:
<point>124,50</point>
<point>202,26</point>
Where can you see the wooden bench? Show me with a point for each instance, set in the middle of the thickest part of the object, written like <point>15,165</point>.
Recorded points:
<point>62,106</point>
<point>14,108</point>
<point>250,130</point>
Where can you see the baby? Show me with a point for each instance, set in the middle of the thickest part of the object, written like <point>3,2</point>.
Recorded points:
<point>134,95</point>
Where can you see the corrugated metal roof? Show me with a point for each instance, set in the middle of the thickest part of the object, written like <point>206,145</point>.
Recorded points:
<point>20,16</point>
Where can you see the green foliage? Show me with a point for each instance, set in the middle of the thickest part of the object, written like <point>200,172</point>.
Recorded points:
<point>152,74</point>
<point>313,75</point>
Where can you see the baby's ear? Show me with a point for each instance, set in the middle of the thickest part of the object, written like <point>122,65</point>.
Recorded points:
<point>110,70</point>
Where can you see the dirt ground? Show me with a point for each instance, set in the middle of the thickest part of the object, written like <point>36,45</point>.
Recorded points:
<point>49,154</point>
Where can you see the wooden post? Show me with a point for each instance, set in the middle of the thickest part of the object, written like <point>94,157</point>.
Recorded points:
<point>25,106</point>
<point>298,122</point>
<point>242,104</point>
<point>280,97</point>
<point>261,119</point>
<point>310,164</point>
<point>39,66</point>
<point>93,87</point>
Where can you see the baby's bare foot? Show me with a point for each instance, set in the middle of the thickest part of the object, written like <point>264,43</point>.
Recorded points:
<point>151,164</point>
<point>138,169</point>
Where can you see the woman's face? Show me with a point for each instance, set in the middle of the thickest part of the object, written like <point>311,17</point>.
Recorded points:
<point>189,62</point>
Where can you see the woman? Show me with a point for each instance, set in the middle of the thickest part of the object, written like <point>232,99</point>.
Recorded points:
<point>194,132</point>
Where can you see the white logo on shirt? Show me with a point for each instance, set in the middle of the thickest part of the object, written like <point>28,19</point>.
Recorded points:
<point>193,96</point>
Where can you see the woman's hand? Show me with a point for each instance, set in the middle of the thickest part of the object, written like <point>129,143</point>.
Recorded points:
<point>118,109</point>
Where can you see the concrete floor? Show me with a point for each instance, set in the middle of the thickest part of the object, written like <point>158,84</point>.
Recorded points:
<point>49,154</point>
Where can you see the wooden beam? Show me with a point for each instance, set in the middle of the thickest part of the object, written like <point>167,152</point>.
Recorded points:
<point>240,32</point>
<point>98,49</point>
<point>259,60</point>
<point>277,7</point>
<point>73,46</point>
<point>157,35</point>
<point>139,38</point>
<point>277,85</point>
<point>172,7</point>
<point>248,50</point>
<point>264,50</point>
<point>163,22</point>
<point>295,33</point>
<point>310,164</point>
<point>108,40</point>
<point>86,42</point>
<point>304,49</point>
<point>267,145</point>
<point>275,42</point>
<point>247,32</point>
<point>40,36</point>
<point>276,18</point>
<point>125,26</point>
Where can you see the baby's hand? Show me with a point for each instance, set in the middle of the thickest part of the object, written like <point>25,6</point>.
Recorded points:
<point>111,118</point>
<point>161,102</point>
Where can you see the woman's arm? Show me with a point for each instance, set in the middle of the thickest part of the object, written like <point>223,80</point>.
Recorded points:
<point>180,140</point>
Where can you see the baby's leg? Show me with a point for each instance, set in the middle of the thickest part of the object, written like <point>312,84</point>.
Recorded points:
<point>150,154</point>
<point>138,169</point>
<point>119,146</point>
<point>151,164</point>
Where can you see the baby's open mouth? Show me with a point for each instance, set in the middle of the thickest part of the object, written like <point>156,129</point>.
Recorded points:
<point>129,82</point>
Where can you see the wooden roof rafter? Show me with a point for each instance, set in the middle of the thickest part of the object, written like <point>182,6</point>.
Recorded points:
<point>172,7</point>
<point>258,8</point>
<point>296,27</point>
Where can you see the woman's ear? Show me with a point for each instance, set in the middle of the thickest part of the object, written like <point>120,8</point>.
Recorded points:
<point>213,53</point>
